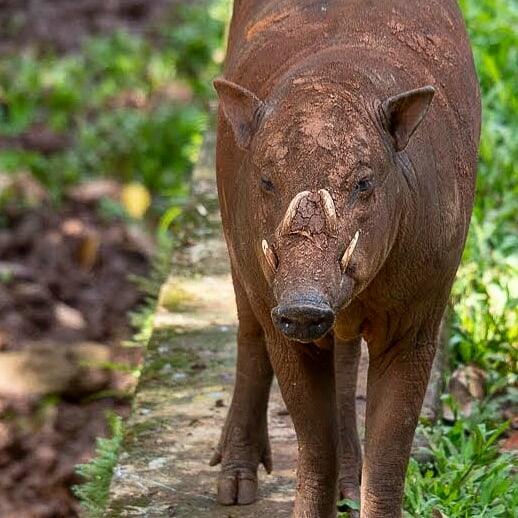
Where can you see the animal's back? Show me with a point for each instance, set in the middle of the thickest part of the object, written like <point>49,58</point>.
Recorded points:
<point>418,42</point>
<point>379,47</point>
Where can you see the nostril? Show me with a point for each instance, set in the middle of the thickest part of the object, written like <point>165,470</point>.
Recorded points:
<point>303,321</point>
<point>303,314</point>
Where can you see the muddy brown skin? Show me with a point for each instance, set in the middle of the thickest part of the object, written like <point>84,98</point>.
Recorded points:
<point>346,159</point>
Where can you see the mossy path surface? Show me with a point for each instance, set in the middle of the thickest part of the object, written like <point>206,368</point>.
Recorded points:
<point>186,387</point>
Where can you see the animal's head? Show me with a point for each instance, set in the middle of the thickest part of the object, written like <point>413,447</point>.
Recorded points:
<point>321,165</point>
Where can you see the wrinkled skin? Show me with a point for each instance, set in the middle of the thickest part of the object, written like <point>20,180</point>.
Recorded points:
<point>346,158</point>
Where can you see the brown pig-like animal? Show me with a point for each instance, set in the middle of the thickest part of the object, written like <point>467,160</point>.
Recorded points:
<point>346,159</point>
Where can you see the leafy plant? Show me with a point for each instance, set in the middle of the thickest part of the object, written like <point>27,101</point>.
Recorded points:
<point>93,493</point>
<point>467,477</point>
<point>132,109</point>
<point>347,503</point>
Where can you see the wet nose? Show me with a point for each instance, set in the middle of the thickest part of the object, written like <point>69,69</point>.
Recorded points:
<point>303,321</point>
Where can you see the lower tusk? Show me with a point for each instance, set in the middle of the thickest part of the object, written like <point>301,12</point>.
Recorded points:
<point>271,258</point>
<point>329,209</point>
<point>344,263</point>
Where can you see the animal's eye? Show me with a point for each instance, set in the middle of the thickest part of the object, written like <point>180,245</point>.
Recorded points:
<point>267,185</point>
<point>363,186</point>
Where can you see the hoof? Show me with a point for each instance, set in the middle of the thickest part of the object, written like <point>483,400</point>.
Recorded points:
<point>237,488</point>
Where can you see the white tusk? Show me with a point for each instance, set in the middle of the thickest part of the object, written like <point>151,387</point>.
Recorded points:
<point>291,211</point>
<point>349,252</point>
<point>271,258</point>
<point>329,209</point>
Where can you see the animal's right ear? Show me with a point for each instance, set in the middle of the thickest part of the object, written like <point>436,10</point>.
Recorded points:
<point>241,108</point>
<point>404,113</point>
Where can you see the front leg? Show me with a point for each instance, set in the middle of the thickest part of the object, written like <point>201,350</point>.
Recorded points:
<point>306,379</point>
<point>347,358</point>
<point>244,440</point>
<point>397,381</point>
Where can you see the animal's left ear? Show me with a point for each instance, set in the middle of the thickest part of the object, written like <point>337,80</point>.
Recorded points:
<point>404,112</point>
<point>241,108</point>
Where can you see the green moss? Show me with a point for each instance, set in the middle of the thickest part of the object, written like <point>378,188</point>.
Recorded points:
<point>142,429</point>
<point>175,299</point>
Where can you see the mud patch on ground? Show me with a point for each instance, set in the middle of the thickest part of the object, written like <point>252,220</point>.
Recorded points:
<point>65,287</point>
<point>63,24</point>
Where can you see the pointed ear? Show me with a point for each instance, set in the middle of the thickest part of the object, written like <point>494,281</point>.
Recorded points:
<point>241,108</point>
<point>404,112</point>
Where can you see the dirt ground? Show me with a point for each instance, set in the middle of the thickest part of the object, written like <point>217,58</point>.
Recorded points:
<point>64,285</point>
<point>60,271</point>
<point>63,24</point>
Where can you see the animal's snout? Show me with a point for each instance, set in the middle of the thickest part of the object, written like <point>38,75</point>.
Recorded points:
<point>303,321</point>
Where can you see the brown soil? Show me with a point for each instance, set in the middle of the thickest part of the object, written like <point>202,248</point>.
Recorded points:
<point>63,24</point>
<point>40,444</point>
<point>65,281</point>
<point>66,276</point>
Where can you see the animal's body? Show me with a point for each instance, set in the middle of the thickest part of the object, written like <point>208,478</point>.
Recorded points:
<point>346,160</point>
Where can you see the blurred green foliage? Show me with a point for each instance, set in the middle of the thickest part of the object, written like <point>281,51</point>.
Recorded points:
<point>485,296</point>
<point>134,108</point>
<point>468,475</point>
<point>199,42</point>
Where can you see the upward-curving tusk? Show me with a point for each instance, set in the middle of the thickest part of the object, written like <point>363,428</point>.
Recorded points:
<point>329,209</point>
<point>291,211</point>
<point>344,263</point>
<point>271,258</point>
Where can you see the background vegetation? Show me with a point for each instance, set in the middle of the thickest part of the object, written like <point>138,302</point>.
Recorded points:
<point>130,107</point>
<point>126,106</point>
<point>469,476</point>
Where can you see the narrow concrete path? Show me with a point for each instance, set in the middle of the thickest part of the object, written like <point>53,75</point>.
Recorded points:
<point>185,390</point>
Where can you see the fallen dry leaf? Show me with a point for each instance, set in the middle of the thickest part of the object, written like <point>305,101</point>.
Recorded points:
<point>466,385</point>
<point>135,198</point>
<point>511,443</point>
<point>88,249</point>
